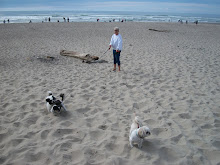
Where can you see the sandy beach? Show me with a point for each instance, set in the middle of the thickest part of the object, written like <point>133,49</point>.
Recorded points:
<point>170,79</point>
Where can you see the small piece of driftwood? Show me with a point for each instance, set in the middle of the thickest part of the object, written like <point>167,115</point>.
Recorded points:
<point>47,59</point>
<point>83,56</point>
<point>159,30</point>
<point>50,57</point>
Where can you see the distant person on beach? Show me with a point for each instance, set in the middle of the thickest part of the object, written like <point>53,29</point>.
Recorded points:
<point>181,21</point>
<point>64,19</point>
<point>186,22</point>
<point>30,21</point>
<point>49,19</point>
<point>97,20</point>
<point>4,21</point>
<point>8,20</point>
<point>116,44</point>
<point>196,22</point>
<point>68,20</point>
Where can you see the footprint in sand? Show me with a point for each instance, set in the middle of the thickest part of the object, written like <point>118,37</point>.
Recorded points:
<point>77,156</point>
<point>66,123</point>
<point>161,132</point>
<point>83,110</point>
<point>61,132</point>
<point>216,144</point>
<point>97,135</point>
<point>16,142</point>
<point>217,123</point>
<point>207,126</point>
<point>184,116</point>
<point>44,134</point>
<point>66,146</point>
<point>32,157</point>
<point>103,127</point>
<point>169,155</point>
<point>5,105</point>
<point>30,120</point>
<point>17,124</point>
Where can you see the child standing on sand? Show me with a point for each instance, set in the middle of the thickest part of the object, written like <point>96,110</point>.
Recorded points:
<point>116,44</point>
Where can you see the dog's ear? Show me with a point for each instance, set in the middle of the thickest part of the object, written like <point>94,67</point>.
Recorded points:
<point>48,100</point>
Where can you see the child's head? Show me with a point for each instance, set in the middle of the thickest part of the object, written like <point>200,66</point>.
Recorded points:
<point>116,29</point>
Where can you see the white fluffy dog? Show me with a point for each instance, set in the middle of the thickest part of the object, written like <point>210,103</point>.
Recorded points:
<point>54,105</point>
<point>138,132</point>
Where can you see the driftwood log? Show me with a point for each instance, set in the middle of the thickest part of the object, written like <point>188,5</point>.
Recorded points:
<point>83,56</point>
<point>159,30</point>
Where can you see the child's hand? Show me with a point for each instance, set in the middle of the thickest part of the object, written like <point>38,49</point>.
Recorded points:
<point>118,51</point>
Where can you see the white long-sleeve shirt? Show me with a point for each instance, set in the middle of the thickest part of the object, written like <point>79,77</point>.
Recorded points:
<point>116,42</point>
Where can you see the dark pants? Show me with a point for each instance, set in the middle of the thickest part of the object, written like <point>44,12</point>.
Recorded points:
<point>116,56</point>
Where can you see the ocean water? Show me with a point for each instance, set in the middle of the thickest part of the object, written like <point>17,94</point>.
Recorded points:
<point>92,16</point>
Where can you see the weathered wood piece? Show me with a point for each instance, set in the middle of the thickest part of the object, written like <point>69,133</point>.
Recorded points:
<point>159,30</point>
<point>83,56</point>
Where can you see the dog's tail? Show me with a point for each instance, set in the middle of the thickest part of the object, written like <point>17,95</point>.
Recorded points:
<point>138,120</point>
<point>62,96</point>
<point>135,117</point>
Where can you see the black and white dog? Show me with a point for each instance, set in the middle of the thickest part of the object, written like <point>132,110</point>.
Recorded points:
<point>54,105</point>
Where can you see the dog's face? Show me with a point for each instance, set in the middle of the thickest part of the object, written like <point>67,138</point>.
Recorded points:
<point>56,109</point>
<point>144,131</point>
<point>49,93</point>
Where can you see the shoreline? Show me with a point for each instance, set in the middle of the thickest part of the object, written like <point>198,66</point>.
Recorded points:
<point>189,23</point>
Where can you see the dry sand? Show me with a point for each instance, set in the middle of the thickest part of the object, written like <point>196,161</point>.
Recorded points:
<point>171,79</point>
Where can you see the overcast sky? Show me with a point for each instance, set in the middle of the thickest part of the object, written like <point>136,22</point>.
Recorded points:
<point>173,6</point>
